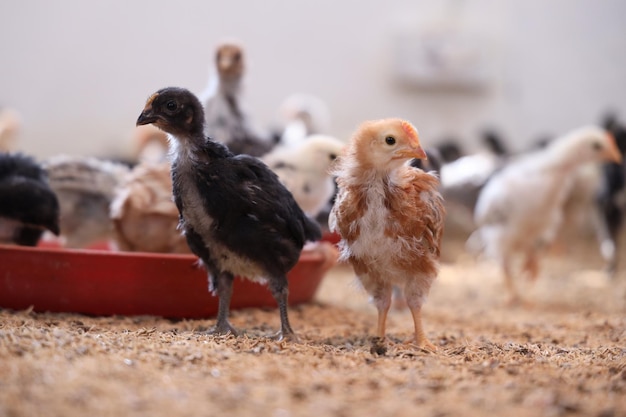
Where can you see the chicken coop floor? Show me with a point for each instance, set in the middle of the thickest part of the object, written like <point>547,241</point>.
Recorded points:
<point>561,353</point>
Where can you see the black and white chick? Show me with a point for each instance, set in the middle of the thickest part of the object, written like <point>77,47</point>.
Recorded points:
<point>225,119</point>
<point>85,187</point>
<point>235,213</point>
<point>28,206</point>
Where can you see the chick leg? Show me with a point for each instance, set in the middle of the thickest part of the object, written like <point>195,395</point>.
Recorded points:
<point>508,282</point>
<point>280,291</point>
<point>382,300</point>
<point>415,295</point>
<point>223,283</point>
<point>531,264</point>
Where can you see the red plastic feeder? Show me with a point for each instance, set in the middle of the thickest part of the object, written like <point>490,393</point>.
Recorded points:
<point>101,282</point>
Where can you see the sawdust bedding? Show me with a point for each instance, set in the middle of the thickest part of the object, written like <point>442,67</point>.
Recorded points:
<point>562,353</point>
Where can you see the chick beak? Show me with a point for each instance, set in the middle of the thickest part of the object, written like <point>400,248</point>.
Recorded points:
<point>414,152</point>
<point>146,117</point>
<point>613,153</point>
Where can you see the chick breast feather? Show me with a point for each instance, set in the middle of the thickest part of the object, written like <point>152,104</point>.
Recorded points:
<point>145,218</point>
<point>390,217</point>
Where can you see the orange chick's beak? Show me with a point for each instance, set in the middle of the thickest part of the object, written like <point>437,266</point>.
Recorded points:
<point>613,153</point>
<point>415,152</point>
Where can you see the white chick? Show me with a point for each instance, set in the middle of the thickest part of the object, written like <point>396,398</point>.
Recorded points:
<point>304,170</point>
<point>521,207</point>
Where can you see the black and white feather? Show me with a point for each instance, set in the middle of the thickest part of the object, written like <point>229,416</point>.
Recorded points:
<point>28,206</point>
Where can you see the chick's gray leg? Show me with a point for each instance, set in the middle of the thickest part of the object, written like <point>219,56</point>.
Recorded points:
<point>280,291</point>
<point>222,284</point>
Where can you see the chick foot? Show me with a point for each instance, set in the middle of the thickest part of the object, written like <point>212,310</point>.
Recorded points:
<point>222,329</point>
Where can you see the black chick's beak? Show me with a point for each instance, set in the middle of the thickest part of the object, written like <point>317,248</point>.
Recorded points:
<point>146,117</point>
<point>54,228</point>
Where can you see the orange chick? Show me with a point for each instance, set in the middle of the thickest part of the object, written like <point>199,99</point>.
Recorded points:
<point>145,218</point>
<point>390,217</point>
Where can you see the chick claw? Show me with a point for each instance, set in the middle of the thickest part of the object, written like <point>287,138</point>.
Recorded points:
<point>222,329</point>
<point>286,336</point>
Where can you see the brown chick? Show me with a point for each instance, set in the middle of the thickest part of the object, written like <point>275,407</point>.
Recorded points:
<point>145,218</point>
<point>390,217</point>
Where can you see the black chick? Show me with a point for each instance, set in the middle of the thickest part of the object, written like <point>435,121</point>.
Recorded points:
<point>27,204</point>
<point>610,198</point>
<point>235,214</point>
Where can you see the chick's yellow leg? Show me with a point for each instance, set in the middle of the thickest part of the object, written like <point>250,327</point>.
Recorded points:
<point>508,282</point>
<point>415,293</point>
<point>382,300</point>
<point>420,337</point>
<point>531,265</point>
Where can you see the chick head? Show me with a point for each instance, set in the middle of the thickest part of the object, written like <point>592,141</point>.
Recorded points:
<point>589,144</point>
<point>174,110</point>
<point>320,151</point>
<point>229,61</point>
<point>386,144</point>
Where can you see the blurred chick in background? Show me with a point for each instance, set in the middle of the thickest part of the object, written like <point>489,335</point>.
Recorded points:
<point>85,187</point>
<point>28,206</point>
<point>464,177</point>
<point>520,208</point>
<point>145,218</point>
<point>150,144</point>
<point>611,198</point>
<point>302,115</point>
<point>9,126</point>
<point>304,169</point>
<point>390,217</point>
<point>225,120</point>
<point>235,213</point>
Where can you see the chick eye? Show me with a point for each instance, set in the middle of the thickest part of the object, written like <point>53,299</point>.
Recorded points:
<point>390,140</point>
<point>596,146</point>
<point>171,105</point>
<point>332,156</point>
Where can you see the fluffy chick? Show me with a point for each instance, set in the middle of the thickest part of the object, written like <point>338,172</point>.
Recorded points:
<point>27,204</point>
<point>390,217</point>
<point>521,207</point>
<point>9,127</point>
<point>225,120</point>
<point>235,213</point>
<point>304,170</point>
<point>85,187</point>
<point>145,218</point>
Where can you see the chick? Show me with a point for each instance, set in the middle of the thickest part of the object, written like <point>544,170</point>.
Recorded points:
<point>85,187</point>
<point>304,170</point>
<point>225,120</point>
<point>521,207</point>
<point>235,214</point>
<point>27,204</point>
<point>302,115</point>
<point>390,217</point>
<point>9,126</point>
<point>145,218</point>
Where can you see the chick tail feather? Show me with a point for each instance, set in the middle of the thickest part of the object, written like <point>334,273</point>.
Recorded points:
<point>312,230</point>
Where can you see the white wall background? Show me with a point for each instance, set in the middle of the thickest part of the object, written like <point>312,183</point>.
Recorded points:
<point>79,71</point>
